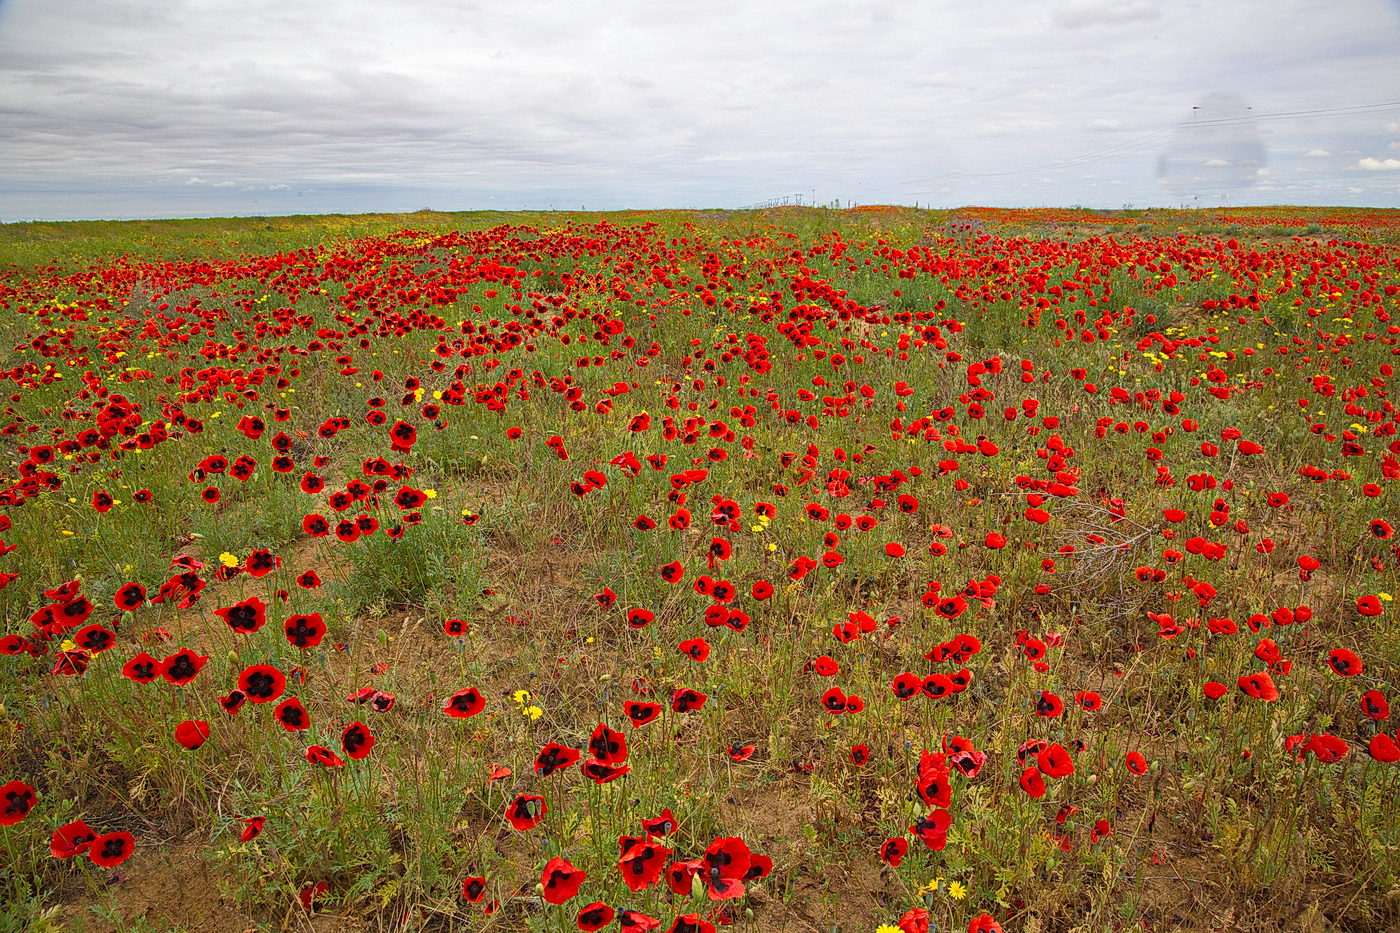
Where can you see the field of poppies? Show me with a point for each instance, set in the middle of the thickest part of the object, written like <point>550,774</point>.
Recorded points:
<point>800,570</point>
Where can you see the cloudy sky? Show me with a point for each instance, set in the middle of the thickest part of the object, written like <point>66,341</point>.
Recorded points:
<point>169,108</point>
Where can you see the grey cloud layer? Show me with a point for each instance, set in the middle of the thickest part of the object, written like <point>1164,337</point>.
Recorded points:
<point>110,107</point>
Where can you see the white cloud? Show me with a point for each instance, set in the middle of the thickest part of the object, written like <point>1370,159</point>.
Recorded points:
<point>1216,163</point>
<point>1318,153</point>
<point>1392,127</point>
<point>1078,14</point>
<point>1369,164</point>
<point>362,105</point>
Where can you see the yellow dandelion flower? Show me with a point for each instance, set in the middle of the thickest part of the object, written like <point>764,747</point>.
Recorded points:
<point>532,712</point>
<point>957,890</point>
<point>229,560</point>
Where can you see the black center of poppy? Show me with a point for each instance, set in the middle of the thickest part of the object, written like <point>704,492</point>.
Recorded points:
<point>113,848</point>
<point>300,633</point>
<point>260,684</point>
<point>182,668</point>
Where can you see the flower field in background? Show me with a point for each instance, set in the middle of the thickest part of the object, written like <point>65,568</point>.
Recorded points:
<point>792,570</point>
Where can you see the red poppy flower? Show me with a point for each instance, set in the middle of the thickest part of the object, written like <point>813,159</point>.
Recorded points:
<point>357,741</point>
<point>474,889</point>
<point>662,825</point>
<point>1089,700</point>
<point>1049,705</point>
<point>1136,763</point>
<point>262,683</point>
<point>181,667</point>
<point>1369,605</point>
<point>685,700</point>
<point>292,715</point>
<point>69,839</point>
<point>723,867</point>
<point>320,755</point>
<point>130,597</point>
<point>142,668</point>
<point>111,849</point>
<point>1328,748</point>
<point>1032,783</point>
<point>933,780</point>
<point>16,800</point>
<point>1259,686</point>
<point>1344,662</point>
<point>312,893</point>
<point>192,733</point>
<point>892,851</point>
<point>553,757</point>
<point>465,703</point>
<point>983,923</point>
<point>632,921</point>
<point>594,917</point>
<point>641,713</point>
<point>914,921</point>
<point>933,829</point>
<point>601,773</point>
<point>860,755</point>
<point>262,562</point>
<point>305,631</point>
<point>969,762</point>
<point>935,686</point>
<point>607,745</point>
<point>1054,761</point>
<point>526,811</point>
<point>641,865</point>
<point>1374,705</point>
<point>741,752</point>
<point>1213,690</point>
<point>1383,748</point>
<point>245,617</point>
<point>561,880</point>
<point>690,923</point>
<point>906,686</point>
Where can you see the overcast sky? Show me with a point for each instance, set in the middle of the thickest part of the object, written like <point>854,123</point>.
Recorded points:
<point>169,108</point>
